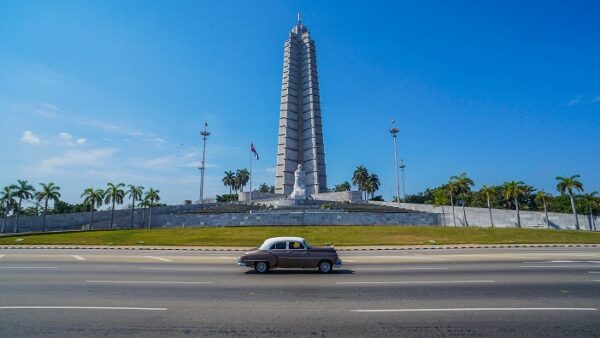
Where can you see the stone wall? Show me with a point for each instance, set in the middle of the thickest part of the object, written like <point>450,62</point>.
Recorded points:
<point>502,218</point>
<point>340,196</point>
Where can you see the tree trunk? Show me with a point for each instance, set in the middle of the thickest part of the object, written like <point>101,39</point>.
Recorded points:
<point>132,211</point>
<point>443,215</point>
<point>453,214</point>
<point>112,214</point>
<point>91,213</point>
<point>574,210</point>
<point>546,212</point>
<point>150,217</point>
<point>44,216</point>
<point>143,216</point>
<point>18,213</point>
<point>4,222</point>
<point>464,212</point>
<point>518,215</point>
<point>490,209</point>
<point>591,219</point>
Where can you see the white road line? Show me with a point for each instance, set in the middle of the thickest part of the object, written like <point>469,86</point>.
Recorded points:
<point>486,309</point>
<point>593,271</point>
<point>557,266</point>
<point>159,258</point>
<point>79,258</point>
<point>396,269</point>
<point>84,308</point>
<point>143,282</point>
<point>27,267</point>
<point>193,269</point>
<point>421,282</point>
<point>1,256</point>
<point>410,257</point>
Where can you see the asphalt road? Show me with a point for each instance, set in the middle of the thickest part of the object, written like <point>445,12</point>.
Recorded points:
<point>553,292</point>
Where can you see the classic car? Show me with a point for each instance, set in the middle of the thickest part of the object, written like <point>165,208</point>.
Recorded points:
<point>290,252</point>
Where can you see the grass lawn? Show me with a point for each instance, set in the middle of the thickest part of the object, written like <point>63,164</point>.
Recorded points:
<point>319,235</point>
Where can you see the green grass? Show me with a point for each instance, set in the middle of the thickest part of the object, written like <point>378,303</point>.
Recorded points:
<point>319,235</point>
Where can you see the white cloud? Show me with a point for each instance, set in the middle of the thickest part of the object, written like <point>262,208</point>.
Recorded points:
<point>576,100</point>
<point>65,136</point>
<point>72,158</point>
<point>81,140</point>
<point>30,137</point>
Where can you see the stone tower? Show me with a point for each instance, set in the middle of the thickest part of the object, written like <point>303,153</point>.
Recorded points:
<point>300,130</point>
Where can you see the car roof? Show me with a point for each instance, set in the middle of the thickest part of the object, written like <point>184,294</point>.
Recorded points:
<point>269,241</point>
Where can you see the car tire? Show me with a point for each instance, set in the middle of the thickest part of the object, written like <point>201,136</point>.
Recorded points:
<point>261,267</point>
<point>325,266</point>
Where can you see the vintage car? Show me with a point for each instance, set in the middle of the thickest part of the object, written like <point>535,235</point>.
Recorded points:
<point>290,252</point>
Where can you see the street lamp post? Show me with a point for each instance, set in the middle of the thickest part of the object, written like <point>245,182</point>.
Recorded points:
<point>402,166</point>
<point>394,132</point>
<point>205,135</point>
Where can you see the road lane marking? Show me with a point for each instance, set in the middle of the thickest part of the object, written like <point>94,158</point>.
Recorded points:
<point>402,269</point>
<point>557,266</point>
<point>79,258</point>
<point>1,256</point>
<point>159,258</point>
<point>83,308</point>
<point>421,282</point>
<point>409,257</point>
<point>27,267</point>
<point>593,271</point>
<point>486,309</point>
<point>143,282</point>
<point>235,268</point>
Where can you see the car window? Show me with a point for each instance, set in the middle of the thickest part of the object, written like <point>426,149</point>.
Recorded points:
<point>296,246</point>
<point>278,246</point>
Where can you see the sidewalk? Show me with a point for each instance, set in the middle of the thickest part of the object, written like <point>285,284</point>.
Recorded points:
<point>339,248</point>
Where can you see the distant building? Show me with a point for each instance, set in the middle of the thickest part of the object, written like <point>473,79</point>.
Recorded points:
<point>300,129</point>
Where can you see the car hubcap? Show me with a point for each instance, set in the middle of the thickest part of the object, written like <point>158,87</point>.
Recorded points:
<point>261,267</point>
<point>325,267</point>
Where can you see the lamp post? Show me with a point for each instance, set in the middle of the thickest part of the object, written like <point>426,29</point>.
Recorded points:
<point>394,132</point>
<point>402,166</point>
<point>204,135</point>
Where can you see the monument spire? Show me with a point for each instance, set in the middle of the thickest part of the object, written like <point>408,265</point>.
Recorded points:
<point>299,19</point>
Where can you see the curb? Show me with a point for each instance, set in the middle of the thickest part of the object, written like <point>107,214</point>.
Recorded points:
<point>342,249</point>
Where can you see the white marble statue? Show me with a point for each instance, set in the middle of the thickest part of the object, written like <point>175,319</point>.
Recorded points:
<point>299,192</point>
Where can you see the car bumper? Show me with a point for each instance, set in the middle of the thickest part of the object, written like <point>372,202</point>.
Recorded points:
<point>240,262</point>
<point>338,263</point>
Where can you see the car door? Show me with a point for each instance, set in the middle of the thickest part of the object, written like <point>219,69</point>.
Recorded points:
<point>279,250</point>
<point>296,256</point>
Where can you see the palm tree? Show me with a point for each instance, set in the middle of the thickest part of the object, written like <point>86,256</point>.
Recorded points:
<point>7,199</point>
<point>567,185</point>
<point>542,196</point>
<point>440,197</point>
<point>592,202</point>
<point>23,191</point>
<point>152,196</point>
<point>342,187</point>
<point>489,192</point>
<point>145,203</point>
<point>229,180</point>
<point>242,177</point>
<point>92,198</point>
<point>114,194</point>
<point>135,193</point>
<point>514,189</point>
<point>372,184</point>
<point>360,178</point>
<point>451,189</point>
<point>263,188</point>
<point>463,185</point>
<point>49,192</point>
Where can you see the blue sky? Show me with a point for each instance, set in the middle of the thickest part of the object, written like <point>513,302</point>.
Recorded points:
<point>92,92</point>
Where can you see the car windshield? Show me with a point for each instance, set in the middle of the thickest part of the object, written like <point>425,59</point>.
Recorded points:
<point>308,246</point>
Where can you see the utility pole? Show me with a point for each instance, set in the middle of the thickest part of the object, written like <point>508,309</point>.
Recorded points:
<point>204,135</point>
<point>394,132</point>
<point>402,166</point>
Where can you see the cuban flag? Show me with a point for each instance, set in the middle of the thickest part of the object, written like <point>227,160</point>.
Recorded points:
<point>253,150</point>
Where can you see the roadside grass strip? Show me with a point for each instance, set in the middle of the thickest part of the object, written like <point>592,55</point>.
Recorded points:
<point>317,235</point>
<point>481,309</point>
<point>83,308</point>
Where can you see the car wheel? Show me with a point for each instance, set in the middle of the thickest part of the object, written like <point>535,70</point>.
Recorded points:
<point>261,267</point>
<point>324,266</point>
